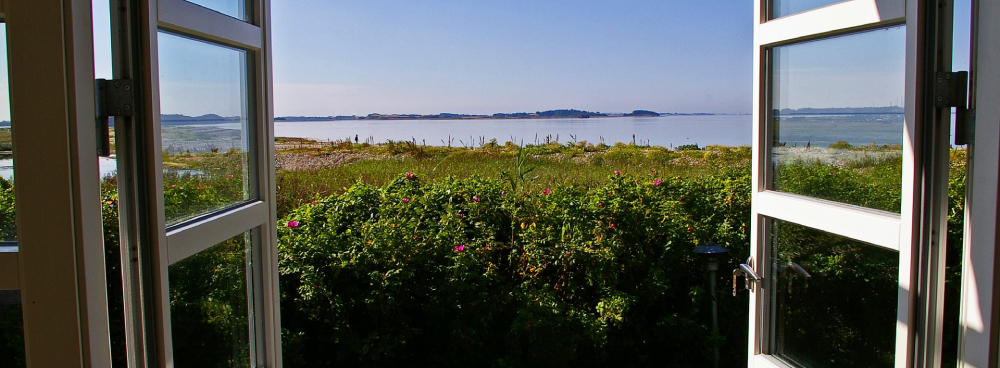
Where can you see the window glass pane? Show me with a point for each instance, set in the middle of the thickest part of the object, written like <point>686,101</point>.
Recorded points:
<point>781,8</point>
<point>203,100</point>
<point>838,118</point>
<point>11,330</point>
<point>232,8</point>
<point>8,230</point>
<point>208,307</point>
<point>833,299</point>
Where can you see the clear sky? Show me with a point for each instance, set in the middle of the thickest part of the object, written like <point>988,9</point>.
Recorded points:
<point>345,57</point>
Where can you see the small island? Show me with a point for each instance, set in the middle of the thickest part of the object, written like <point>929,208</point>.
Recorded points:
<point>178,119</point>
<point>548,114</point>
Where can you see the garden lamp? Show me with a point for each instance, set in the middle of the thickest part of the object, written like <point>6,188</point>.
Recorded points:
<point>710,252</point>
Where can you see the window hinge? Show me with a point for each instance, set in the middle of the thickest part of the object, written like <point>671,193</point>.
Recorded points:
<point>951,90</point>
<point>115,97</point>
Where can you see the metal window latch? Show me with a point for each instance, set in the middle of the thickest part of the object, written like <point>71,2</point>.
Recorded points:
<point>951,90</point>
<point>750,277</point>
<point>114,97</point>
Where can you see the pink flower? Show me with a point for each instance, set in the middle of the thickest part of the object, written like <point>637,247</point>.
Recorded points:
<point>406,200</point>
<point>656,182</point>
<point>460,248</point>
<point>313,203</point>
<point>230,176</point>
<point>409,175</point>
<point>618,172</point>
<point>546,192</point>
<point>652,172</point>
<point>503,192</point>
<point>475,199</point>
<point>459,215</point>
<point>292,224</point>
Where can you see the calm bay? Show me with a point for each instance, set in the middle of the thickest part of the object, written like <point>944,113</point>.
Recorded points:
<point>667,131</point>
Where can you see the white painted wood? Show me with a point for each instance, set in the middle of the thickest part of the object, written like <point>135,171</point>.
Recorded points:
<point>757,307</point>
<point>832,19</point>
<point>978,327</point>
<point>187,18</point>
<point>10,274</point>
<point>158,343</point>
<point>170,245</point>
<point>867,225</point>
<point>268,312</point>
<point>909,204</point>
<point>195,237</point>
<point>887,230</point>
<point>61,255</point>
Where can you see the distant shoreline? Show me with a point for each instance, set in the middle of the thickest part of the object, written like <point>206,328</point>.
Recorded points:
<point>431,117</point>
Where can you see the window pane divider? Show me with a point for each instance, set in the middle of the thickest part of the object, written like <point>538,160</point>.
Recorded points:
<point>10,271</point>
<point>859,223</point>
<point>191,238</point>
<point>837,18</point>
<point>186,18</point>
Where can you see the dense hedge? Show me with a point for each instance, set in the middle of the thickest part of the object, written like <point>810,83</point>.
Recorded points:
<point>468,273</point>
<point>474,273</point>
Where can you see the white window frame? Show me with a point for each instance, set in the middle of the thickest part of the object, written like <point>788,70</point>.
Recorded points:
<point>920,222</point>
<point>59,264</point>
<point>148,326</point>
<point>980,318</point>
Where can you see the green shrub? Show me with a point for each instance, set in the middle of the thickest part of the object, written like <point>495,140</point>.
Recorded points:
<point>465,272</point>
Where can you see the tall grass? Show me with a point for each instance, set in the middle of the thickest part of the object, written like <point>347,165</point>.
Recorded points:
<point>554,164</point>
<point>6,142</point>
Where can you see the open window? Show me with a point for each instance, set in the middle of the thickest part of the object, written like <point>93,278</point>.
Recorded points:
<point>197,202</point>
<point>850,178</point>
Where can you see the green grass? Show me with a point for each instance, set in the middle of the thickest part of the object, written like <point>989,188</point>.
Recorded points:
<point>555,165</point>
<point>6,143</point>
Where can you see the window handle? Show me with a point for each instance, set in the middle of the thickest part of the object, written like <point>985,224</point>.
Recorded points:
<point>792,266</point>
<point>750,277</point>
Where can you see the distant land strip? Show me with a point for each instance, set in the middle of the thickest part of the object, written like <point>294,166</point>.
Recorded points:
<point>549,114</point>
<point>179,119</point>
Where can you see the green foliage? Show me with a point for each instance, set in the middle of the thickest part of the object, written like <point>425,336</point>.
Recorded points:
<point>464,273</point>
<point>873,181</point>
<point>8,229</point>
<point>817,319</point>
<point>841,145</point>
<point>208,307</point>
<point>6,143</point>
<point>554,164</point>
<point>201,183</point>
<point>595,272</point>
<point>518,177</point>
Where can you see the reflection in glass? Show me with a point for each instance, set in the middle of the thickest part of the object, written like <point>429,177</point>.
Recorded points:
<point>781,8</point>
<point>205,131</point>
<point>838,118</point>
<point>208,307</point>
<point>843,314</point>
<point>8,230</point>
<point>232,8</point>
<point>11,330</point>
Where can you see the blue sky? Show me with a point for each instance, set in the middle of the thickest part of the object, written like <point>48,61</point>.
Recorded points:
<point>344,57</point>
